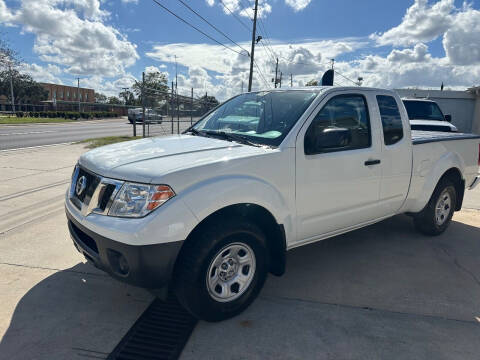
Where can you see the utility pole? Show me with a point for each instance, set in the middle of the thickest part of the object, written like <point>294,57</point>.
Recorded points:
<point>143,104</point>
<point>333,62</point>
<point>252,52</point>
<point>11,88</point>
<point>291,80</point>
<point>176,77</point>
<point>171,106</point>
<point>242,86</point>
<point>281,74</point>
<point>78,94</point>
<point>176,94</point>
<point>191,108</point>
<point>276,74</point>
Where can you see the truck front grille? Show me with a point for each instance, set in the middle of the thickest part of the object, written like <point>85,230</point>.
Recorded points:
<point>97,195</point>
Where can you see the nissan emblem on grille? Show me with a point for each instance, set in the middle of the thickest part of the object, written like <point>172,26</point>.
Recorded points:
<point>81,185</point>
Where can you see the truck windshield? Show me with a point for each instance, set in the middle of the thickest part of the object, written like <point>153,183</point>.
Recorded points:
<point>262,118</point>
<point>423,110</point>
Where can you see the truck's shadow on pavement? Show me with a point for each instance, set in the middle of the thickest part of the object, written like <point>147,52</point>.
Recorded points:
<point>75,313</point>
<point>80,312</point>
<point>390,266</point>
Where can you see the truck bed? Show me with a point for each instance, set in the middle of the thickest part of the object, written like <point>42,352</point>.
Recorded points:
<point>422,137</point>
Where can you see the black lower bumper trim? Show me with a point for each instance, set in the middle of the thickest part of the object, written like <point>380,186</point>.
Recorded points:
<point>161,332</point>
<point>147,266</point>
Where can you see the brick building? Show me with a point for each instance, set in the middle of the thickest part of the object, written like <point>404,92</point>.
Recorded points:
<point>69,93</point>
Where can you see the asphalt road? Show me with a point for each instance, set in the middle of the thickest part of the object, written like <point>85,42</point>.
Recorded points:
<point>21,136</point>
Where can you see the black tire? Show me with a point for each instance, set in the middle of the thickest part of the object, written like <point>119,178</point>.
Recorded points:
<point>190,276</point>
<point>425,221</point>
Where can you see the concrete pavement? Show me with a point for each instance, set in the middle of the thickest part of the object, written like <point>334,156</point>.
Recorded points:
<point>54,306</point>
<point>379,292</point>
<point>382,292</point>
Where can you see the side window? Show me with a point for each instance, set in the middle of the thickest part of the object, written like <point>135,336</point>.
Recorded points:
<point>342,124</point>
<point>391,119</point>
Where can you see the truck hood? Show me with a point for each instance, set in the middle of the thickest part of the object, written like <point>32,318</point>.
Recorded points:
<point>147,159</point>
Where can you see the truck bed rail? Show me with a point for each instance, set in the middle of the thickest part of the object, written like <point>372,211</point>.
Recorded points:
<point>423,137</point>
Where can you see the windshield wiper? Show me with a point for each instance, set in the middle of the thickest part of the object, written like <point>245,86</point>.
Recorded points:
<point>194,131</point>
<point>232,137</point>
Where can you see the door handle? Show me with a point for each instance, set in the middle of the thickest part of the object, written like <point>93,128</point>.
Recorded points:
<point>372,162</point>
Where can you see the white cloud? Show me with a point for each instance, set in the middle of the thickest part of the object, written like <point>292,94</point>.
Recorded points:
<point>419,54</point>
<point>40,73</point>
<point>107,87</point>
<point>71,33</point>
<point>421,23</point>
<point>264,7</point>
<point>6,15</point>
<point>220,72</point>
<point>130,1</point>
<point>298,5</point>
<point>408,68</point>
<point>462,39</point>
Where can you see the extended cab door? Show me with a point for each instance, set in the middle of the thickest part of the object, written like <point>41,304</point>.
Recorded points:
<point>338,166</point>
<point>396,152</point>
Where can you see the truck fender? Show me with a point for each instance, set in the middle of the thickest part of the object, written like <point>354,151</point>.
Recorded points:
<point>448,161</point>
<point>206,197</point>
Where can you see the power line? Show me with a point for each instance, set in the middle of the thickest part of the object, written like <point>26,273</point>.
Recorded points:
<point>260,72</point>
<point>235,16</point>
<point>346,78</point>
<point>211,25</point>
<point>200,31</point>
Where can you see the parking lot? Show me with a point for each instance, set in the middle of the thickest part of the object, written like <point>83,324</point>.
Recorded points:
<point>381,292</point>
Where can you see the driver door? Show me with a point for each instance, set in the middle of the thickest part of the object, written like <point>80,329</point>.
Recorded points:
<point>338,168</point>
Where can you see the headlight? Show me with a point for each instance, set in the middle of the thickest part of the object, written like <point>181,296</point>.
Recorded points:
<point>138,200</point>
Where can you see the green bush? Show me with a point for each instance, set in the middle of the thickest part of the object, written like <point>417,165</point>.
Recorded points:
<point>19,114</point>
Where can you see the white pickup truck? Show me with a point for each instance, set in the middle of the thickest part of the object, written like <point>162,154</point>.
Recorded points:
<point>210,212</point>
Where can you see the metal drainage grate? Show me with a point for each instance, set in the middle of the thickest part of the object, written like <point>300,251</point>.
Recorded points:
<point>161,332</point>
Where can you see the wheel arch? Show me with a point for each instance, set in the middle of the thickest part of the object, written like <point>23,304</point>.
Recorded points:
<point>260,216</point>
<point>454,175</point>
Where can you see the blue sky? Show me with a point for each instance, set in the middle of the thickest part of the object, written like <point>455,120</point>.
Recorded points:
<point>108,43</point>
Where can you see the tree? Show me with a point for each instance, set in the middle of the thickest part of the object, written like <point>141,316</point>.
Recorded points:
<point>208,102</point>
<point>26,90</point>
<point>8,62</point>
<point>8,56</point>
<point>129,98</point>
<point>113,100</point>
<point>156,88</point>
<point>312,83</point>
<point>100,98</point>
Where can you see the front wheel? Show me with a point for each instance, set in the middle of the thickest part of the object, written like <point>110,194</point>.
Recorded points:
<point>221,270</point>
<point>436,216</point>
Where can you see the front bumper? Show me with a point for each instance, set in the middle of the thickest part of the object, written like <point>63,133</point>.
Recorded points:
<point>146,266</point>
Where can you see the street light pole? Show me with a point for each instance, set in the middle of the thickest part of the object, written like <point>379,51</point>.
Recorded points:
<point>143,104</point>
<point>78,93</point>
<point>252,52</point>
<point>11,88</point>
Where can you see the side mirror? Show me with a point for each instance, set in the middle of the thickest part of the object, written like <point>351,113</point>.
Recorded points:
<point>329,139</point>
<point>448,118</point>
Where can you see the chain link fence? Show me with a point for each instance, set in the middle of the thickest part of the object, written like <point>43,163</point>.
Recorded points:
<point>167,112</point>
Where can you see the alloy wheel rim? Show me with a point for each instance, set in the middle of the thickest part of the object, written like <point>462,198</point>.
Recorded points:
<point>231,272</point>
<point>443,208</point>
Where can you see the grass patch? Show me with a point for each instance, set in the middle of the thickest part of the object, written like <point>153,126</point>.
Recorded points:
<point>31,120</point>
<point>107,140</point>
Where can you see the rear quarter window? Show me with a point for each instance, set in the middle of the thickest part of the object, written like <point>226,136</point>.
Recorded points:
<point>391,119</point>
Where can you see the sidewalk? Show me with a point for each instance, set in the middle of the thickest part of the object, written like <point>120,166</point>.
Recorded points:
<point>54,306</point>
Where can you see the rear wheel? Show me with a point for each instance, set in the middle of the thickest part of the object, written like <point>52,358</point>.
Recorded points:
<point>221,270</point>
<point>436,216</point>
